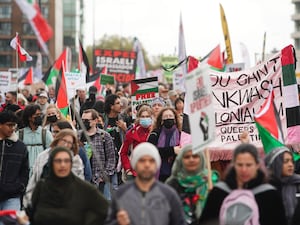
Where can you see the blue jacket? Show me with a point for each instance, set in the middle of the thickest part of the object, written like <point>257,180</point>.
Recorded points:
<point>86,163</point>
<point>14,168</point>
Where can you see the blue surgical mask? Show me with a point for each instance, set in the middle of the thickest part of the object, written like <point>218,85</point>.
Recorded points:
<point>145,122</point>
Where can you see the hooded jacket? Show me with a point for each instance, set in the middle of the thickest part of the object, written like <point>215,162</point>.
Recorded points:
<point>14,168</point>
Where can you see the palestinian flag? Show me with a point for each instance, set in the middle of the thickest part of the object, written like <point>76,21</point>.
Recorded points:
<point>192,63</point>
<point>83,62</point>
<point>39,24</point>
<point>27,77</point>
<point>216,59</point>
<point>145,85</point>
<point>268,124</point>
<point>62,101</point>
<point>53,71</point>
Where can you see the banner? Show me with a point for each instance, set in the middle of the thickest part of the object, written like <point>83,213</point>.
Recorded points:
<point>121,64</point>
<point>107,79</point>
<point>74,81</point>
<point>200,104</point>
<point>143,91</point>
<point>167,62</point>
<point>5,82</point>
<point>239,95</point>
<point>178,80</point>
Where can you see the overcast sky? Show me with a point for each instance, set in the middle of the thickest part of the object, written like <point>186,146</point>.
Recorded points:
<point>156,24</point>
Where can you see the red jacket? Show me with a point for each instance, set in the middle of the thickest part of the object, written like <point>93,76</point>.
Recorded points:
<point>133,137</point>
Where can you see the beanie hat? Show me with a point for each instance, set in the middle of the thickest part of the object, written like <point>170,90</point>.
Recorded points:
<point>273,154</point>
<point>144,149</point>
<point>158,100</point>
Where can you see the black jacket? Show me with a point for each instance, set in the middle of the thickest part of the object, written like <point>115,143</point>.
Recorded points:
<point>271,210</point>
<point>14,168</point>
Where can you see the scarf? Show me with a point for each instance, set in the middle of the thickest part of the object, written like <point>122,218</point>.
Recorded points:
<point>172,133</point>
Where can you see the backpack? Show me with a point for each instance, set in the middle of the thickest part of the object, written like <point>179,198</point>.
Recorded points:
<point>21,137</point>
<point>240,206</point>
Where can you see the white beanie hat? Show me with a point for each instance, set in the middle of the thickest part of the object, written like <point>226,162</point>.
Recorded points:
<point>144,149</point>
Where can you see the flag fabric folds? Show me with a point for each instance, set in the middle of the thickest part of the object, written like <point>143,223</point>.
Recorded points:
<point>62,101</point>
<point>41,28</point>
<point>53,71</point>
<point>181,47</point>
<point>216,59</point>
<point>140,69</point>
<point>226,36</point>
<point>83,62</point>
<point>268,124</point>
<point>15,43</point>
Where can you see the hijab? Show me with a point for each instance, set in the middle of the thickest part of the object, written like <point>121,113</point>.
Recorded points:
<point>192,182</point>
<point>289,184</point>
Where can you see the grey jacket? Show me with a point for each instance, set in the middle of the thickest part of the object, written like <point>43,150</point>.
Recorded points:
<point>159,206</point>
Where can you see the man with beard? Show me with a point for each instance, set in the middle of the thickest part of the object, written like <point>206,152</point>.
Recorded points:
<point>145,200</point>
<point>10,99</point>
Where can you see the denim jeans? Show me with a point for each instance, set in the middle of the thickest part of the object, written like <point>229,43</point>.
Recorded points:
<point>11,203</point>
<point>110,187</point>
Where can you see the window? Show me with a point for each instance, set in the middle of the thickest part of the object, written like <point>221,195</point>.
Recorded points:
<point>5,45</point>
<point>26,28</point>
<point>5,28</point>
<point>45,11</point>
<point>5,11</point>
<point>30,45</point>
<point>5,60</point>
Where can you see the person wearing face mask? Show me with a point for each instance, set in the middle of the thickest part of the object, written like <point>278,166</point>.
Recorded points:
<point>134,136</point>
<point>33,135</point>
<point>166,136</point>
<point>52,116</point>
<point>100,148</point>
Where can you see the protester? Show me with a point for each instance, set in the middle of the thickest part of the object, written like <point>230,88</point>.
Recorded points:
<point>114,124</point>
<point>57,127</point>
<point>100,147</point>
<point>190,179</point>
<point>280,164</point>
<point>33,135</point>
<point>10,99</point>
<point>65,138</point>
<point>53,115</point>
<point>179,106</point>
<point>173,95</point>
<point>90,101</point>
<point>14,165</point>
<point>64,199</point>
<point>166,136</point>
<point>136,135</point>
<point>246,173</point>
<point>157,105</point>
<point>145,200</point>
<point>42,101</point>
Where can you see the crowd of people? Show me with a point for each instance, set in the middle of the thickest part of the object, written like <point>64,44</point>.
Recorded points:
<point>103,165</point>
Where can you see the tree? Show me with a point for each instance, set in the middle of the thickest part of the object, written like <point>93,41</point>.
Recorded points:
<point>115,42</point>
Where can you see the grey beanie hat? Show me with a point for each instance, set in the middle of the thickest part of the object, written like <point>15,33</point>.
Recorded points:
<point>271,156</point>
<point>144,149</point>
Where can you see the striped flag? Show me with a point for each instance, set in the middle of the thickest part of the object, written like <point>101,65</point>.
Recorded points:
<point>290,94</point>
<point>145,85</point>
<point>216,60</point>
<point>83,62</point>
<point>15,43</point>
<point>53,71</point>
<point>62,102</point>
<point>41,28</point>
<point>268,124</point>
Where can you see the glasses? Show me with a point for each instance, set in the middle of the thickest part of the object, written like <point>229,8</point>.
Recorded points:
<point>117,103</point>
<point>60,161</point>
<point>195,156</point>
<point>55,131</point>
<point>11,125</point>
<point>66,142</point>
